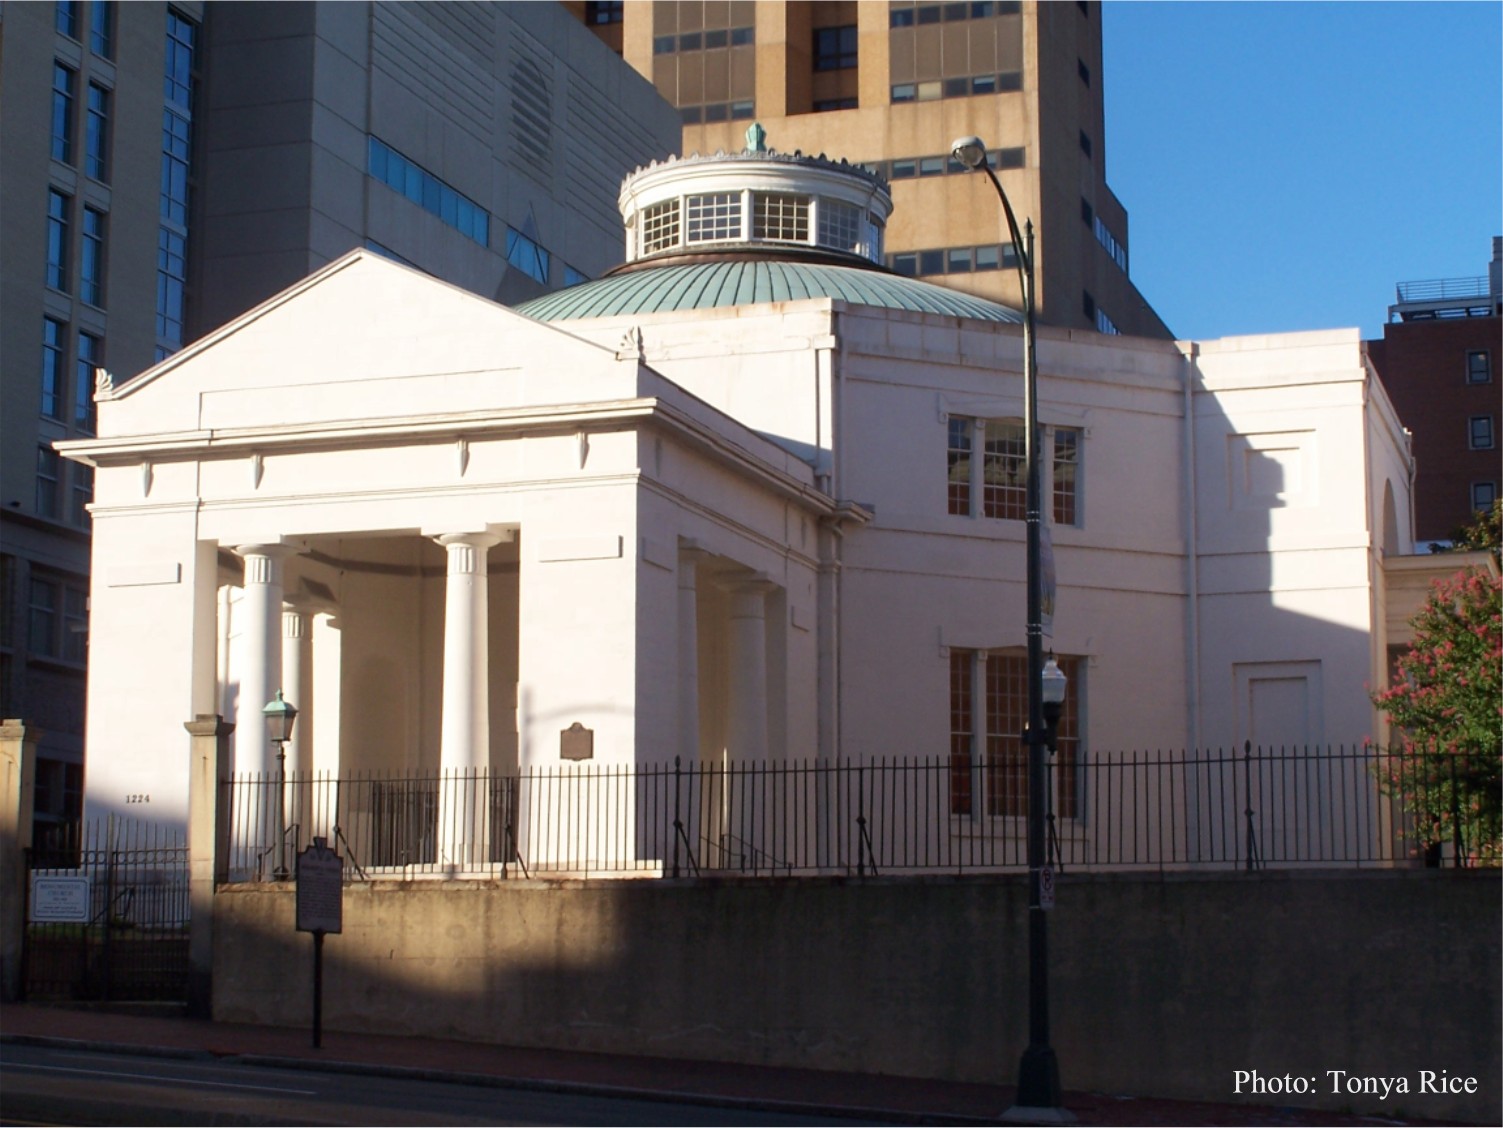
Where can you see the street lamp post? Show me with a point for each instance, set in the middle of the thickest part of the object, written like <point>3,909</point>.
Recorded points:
<point>279,716</point>
<point>1038,1096</point>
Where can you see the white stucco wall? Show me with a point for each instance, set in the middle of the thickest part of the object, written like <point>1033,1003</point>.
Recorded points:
<point>1218,586</point>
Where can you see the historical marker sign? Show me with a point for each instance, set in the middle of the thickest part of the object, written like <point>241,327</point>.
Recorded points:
<point>320,889</point>
<point>60,899</point>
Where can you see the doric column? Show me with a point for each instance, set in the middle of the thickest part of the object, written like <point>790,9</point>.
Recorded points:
<point>261,677</point>
<point>297,684</point>
<point>464,740</point>
<point>746,738</point>
<point>688,654</point>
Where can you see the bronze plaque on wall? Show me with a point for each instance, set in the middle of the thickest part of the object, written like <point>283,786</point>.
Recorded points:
<point>577,742</point>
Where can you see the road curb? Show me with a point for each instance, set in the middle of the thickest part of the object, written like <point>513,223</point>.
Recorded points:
<point>855,1113</point>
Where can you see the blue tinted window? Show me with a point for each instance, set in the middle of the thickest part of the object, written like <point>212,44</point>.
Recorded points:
<point>526,256</point>
<point>427,191</point>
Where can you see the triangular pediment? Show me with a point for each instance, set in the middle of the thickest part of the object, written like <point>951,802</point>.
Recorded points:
<point>363,338</point>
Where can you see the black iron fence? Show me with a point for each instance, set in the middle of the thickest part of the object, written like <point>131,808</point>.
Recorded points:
<point>1247,809</point>
<point>106,910</point>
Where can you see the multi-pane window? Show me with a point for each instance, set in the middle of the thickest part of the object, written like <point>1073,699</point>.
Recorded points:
<point>906,168</point>
<point>910,13</point>
<point>433,195</point>
<point>834,47</point>
<point>49,472</point>
<point>91,260</point>
<point>1004,471</point>
<point>57,619</point>
<point>75,622</point>
<point>603,11</point>
<point>97,134</point>
<point>660,226</point>
<point>182,35</point>
<point>172,282</point>
<point>59,242</point>
<point>712,112</point>
<point>781,216</point>
<point>90,356</point>
<point>704,59</point>
<point>102,28</point>
<point>959,459</point>
<point>1479,368</point>
<point>1480,432</point>
<point>66,18</point>
<point>1066,487</point>
<point>64,86</point>
<point>179,84</point>
<point>1483,495</point>
<point>953,260</point>
<point>526,255</point>
<point>999,768</point>
<point>54,348</point>
<point>1110,243</point>
<point>42,633</point>
<point>177,134</point>
<point>962,730</point>
<point>985,57</point>
<point>996,484</point>
<point>712,217</point>
<point>840,225</point>
<point>81,495</point>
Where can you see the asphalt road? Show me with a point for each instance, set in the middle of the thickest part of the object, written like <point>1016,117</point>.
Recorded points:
<point>43,1085</point>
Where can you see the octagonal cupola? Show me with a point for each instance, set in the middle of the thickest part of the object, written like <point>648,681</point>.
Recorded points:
<point>758,200</point>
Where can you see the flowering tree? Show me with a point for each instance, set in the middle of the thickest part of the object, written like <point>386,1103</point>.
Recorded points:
<point>1447,702</point>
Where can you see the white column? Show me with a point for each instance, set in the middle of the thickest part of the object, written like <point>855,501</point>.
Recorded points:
<point>688,655</point>
<point>746,739</point>
<point>464,740</point>
<point>261,677</point>
<point>297,684</point>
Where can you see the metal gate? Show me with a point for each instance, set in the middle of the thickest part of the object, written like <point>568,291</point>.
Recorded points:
<point>114,898</point>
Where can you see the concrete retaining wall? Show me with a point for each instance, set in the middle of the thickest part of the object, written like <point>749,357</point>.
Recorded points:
<point>1161,986</point>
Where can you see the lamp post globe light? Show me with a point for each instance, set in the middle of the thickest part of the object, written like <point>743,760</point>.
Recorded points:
<point>1038,1097</point>
<point>279,716</point>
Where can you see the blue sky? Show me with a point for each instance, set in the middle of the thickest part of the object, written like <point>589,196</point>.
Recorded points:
<point>1283,165</point>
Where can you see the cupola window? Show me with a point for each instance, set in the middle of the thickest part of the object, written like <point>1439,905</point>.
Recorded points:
<point>839,225</point>
<point>714,217</point>
<point>660,224</point>
<point>780,216</point>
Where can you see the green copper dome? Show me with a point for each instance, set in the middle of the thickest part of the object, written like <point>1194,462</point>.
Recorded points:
<point>731,282</point>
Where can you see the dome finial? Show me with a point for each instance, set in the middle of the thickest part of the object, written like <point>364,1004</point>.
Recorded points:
<point>756,138</point>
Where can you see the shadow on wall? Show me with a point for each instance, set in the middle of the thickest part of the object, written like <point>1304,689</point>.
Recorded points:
<point>1278,973</point>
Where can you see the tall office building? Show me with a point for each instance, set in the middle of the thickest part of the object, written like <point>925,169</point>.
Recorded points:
<point>1438,358</point>
<point>891,85</point>
<point>165,167</point>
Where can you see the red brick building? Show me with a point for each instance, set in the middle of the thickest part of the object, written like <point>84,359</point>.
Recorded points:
<point>1439,360</point>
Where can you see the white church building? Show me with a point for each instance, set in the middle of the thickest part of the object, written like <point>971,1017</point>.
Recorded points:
<point>749,499</point>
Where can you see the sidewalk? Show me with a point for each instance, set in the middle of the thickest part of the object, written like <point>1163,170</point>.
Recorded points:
<point>881,1099</point>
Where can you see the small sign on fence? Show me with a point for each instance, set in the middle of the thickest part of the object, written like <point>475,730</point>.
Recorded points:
<point>1046,888</point>
<point>60,899</point>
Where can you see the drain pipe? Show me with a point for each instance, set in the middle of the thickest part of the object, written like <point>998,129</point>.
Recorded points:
<point>1192,550</point>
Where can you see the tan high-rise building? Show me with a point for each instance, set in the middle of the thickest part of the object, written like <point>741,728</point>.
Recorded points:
<point>890,85</point>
